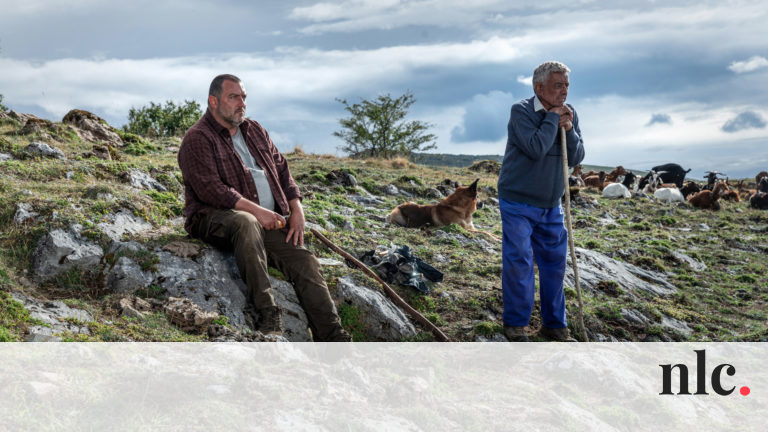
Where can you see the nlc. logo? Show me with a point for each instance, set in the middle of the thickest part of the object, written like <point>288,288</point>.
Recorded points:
<point>701,377</point>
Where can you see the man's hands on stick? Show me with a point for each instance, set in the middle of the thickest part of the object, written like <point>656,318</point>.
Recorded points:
<point>566,116</point>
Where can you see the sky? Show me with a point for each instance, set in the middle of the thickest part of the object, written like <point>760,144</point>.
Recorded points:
<point>651,81</point>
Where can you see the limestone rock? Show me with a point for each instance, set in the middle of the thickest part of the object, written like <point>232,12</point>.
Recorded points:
<point>123,222</point>
<point>381,318</point>
<point>42,150</point>
<point>57,317</point>
<point>595,267</point>
<point>59,251</point>
<point>23,213</point>
<point>92,128</point>
<point>126,276</point>
<point>141,180</point>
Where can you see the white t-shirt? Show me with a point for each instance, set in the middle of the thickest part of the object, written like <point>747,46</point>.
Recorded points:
<point>266,199</point>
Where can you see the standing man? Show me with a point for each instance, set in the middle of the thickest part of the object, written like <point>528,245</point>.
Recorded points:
<point>530,188</point>
<point>240,195</point>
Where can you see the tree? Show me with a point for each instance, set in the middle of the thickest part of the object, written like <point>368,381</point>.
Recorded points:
<point>156,120</point>
<point>378,128</point>
<point>3,108</point>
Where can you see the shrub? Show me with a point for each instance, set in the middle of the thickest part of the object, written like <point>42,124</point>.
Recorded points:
<point>157,120</point>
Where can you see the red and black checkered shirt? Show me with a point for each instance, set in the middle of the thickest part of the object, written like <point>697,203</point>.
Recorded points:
<point>215,176</point>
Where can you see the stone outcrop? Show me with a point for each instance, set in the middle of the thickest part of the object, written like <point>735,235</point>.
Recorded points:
<point>42,150</point>
<point>382,320</point>
<point>59,251</point>
<point>91,127</point>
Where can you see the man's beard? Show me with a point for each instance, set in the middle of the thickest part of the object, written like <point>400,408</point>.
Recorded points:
<point>231,119</point>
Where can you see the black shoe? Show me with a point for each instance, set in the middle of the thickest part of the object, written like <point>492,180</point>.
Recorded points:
<point>556,334</point>
<point>515,334</point>
<point>270,320</point>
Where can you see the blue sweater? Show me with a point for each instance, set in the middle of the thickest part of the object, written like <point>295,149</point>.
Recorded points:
<point>532,170</point>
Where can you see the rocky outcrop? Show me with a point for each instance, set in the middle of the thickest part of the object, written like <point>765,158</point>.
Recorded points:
<point>59,251</point>
<point>595,268</point>
<point>55,318</point>
<point>91,127</point>
<point>42,150</point>
<point>141,180</point>
<point>381,319</point>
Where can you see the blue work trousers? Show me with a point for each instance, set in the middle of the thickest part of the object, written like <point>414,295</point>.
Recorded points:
<point>527,228</point>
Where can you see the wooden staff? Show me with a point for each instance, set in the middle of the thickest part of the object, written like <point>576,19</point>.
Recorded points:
<point>570,233</point>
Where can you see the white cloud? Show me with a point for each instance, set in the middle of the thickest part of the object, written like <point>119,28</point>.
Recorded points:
<point>752,64</point>
<point>527,80</point>
<point>351,9</point>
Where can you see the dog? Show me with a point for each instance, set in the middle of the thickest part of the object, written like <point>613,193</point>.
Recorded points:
<point>457,207</point>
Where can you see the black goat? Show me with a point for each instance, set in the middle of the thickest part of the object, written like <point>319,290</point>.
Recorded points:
<point>669,173</point>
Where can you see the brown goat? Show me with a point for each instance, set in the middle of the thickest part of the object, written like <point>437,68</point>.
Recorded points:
<point>595,180</point>
<point>707,199</point>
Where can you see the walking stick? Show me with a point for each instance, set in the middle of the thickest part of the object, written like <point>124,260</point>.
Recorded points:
<point>569,227</point>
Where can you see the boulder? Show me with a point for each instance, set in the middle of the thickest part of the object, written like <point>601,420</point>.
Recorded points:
<point>23,213</point>
<point>123,222</point>
<point>595,267</point>
<point>342,178</point>
<point>56,318</point>
<point>187,315</point>
<point>141,180</point>
<point>382,319</point>
<point>91,127</point>
<point>59,251</point>
<point>42,150</point>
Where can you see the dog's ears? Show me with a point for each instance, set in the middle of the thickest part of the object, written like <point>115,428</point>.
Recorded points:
<point>473,186</point>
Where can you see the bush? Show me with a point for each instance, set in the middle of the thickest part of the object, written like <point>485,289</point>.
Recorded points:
<point>156,120</point>
<point>3,108</point>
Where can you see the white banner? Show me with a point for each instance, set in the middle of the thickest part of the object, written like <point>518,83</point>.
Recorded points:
<point>382,386</point>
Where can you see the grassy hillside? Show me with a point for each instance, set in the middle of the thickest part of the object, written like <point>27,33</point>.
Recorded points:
<point>725,302</point>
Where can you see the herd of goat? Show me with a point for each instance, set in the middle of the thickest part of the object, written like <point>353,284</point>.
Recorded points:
<point>667,183</point>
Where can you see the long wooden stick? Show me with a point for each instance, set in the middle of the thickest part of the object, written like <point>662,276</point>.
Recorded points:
<point>390,292</point>
<point>569,226</point>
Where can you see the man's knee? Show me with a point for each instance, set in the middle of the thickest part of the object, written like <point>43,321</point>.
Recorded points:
<point>245,224</point>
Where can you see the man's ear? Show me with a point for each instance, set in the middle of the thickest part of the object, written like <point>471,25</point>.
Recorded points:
<point>213,102</point>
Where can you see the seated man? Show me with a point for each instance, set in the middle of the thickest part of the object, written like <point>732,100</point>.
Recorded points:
<point>237,188</point>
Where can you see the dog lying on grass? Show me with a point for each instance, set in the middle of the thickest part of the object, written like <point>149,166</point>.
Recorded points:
<point>457,207</point>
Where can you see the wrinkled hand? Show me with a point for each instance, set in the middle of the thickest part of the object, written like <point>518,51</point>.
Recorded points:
<point>269,219</point>
<point>296,228</point>
<point>566,116</point>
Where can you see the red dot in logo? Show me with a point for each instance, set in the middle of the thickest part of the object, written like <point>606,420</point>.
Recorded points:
<point>744,391</point>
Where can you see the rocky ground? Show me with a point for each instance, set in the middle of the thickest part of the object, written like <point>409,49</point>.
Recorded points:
<point>92,248</point>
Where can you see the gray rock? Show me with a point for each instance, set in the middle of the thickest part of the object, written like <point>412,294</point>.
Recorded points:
<point>5,157</point>
<point>433,193</point>
<point>391,189</point>
<point>676,325</point>
<point>382,320</point>
<point>38,149</point>
<point>695,264</point>
<point>141,180</point>
<point>126,276</point>
<point>595,267</point>
<point>23,213</point>
<point>213,282</point>
<point>56,316</point>
<point>59,251</point>
<point>365,200</point>
<point>634,317</point>
<point>121,223</point>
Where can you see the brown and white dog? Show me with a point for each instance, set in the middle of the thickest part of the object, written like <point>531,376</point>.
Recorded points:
<point>457,207</point>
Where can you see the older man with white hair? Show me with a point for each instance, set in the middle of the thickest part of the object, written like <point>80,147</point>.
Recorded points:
<point>530,189</point>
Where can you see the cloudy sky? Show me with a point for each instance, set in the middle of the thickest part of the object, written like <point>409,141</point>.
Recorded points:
<point>652,82</point>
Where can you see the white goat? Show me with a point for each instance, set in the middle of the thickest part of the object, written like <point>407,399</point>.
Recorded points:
<point>616,190</point>
<point>669,195</point>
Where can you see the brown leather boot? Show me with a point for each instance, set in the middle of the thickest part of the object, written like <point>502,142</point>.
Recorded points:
<point>270,320</point>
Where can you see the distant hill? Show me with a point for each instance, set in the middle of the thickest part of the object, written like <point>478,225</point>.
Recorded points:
<point>451,160</point>
<point>463,161</point>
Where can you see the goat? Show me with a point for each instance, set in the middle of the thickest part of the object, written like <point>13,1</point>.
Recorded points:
<point>653,180</point>
<point>613,176</point>
<point>707,199</point>
<point>730,195</point>
<point>759,201</point>
<point>672,173</point>
<point>689,189</point>
<point>668,195</point>
<point>711,179</point>
<point>595,180</point>
<point>760,175</point>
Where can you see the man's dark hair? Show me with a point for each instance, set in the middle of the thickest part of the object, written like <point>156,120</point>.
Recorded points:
<point>215,89</point>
